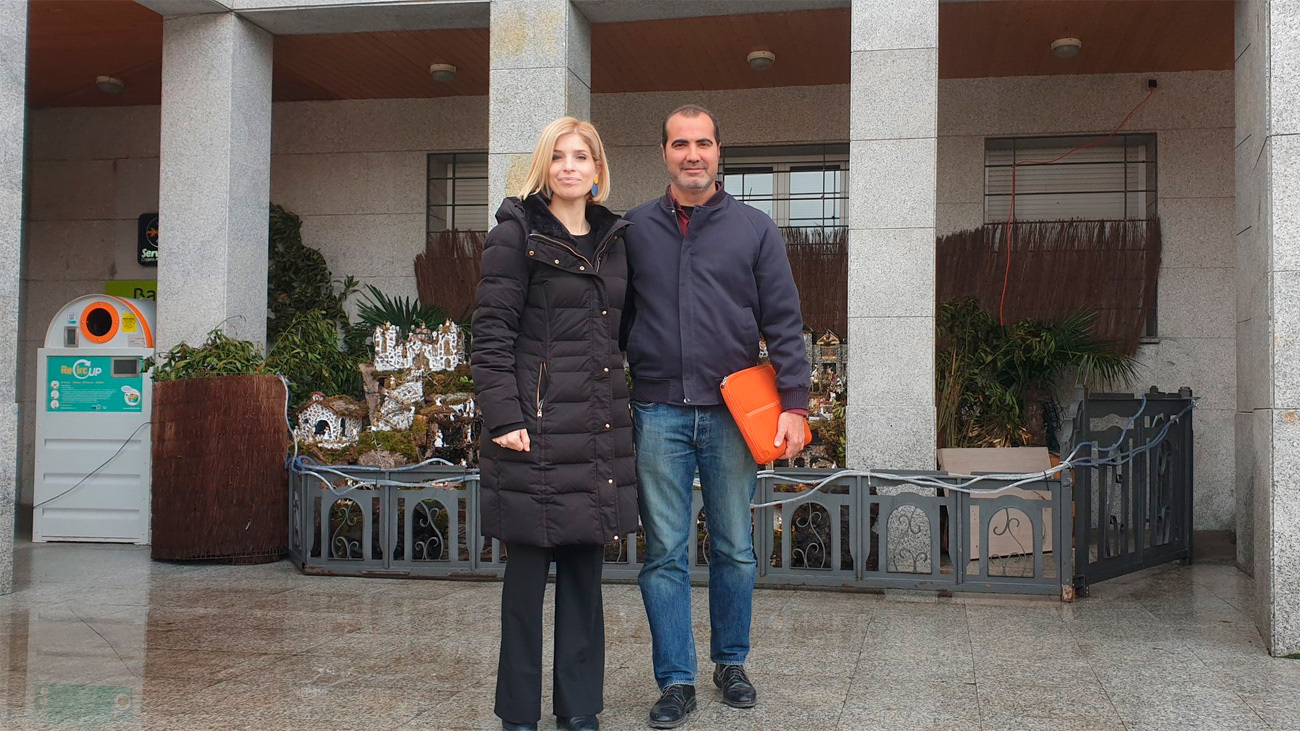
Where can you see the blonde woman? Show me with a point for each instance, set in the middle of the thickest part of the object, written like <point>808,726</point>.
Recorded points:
<point>558,477</point>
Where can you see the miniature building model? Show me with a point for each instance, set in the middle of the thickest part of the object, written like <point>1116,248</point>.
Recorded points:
<point>405,363</point>
<point>423,351</point>
<point>830,352</point>
<point>330,422</point>
<point>431,351</point>
<point>390,351</point>
<point>451,427</point>
<point>397,404</point>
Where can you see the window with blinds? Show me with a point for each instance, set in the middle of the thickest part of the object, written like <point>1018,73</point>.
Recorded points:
<point>803,186</point>
<point>458,192</point>
<point>1114,180</point>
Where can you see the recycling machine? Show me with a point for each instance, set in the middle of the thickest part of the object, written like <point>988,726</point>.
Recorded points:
<point>92,423</point>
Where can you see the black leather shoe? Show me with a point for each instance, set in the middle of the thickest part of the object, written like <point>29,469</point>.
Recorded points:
<point>737,691</point>
<point>508,726</point>
<point>671,709</point>
<point>577,723</point>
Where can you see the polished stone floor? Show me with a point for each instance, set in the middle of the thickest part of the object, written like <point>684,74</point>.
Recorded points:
<point>101,637</point>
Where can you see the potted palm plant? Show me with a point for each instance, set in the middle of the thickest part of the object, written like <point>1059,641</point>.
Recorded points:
<point>995,383</point>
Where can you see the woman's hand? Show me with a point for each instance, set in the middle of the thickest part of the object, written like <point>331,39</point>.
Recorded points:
<point>516,440</point>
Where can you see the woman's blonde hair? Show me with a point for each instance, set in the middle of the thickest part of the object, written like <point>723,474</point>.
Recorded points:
<point>540,169</point>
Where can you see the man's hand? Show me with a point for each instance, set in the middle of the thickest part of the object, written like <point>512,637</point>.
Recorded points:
<point>516,440</point>
<point>789,431</point>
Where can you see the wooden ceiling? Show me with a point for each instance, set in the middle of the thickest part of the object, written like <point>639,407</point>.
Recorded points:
<point>73,41</point>
<point>70,42</point>
<point>811,47</point>
<point>390,65</point>
<point>1014,37</point>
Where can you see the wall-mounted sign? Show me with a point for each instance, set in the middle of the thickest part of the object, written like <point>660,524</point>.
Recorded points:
<point>146,247</point>
<point>94,383</point>
<point>136,289</point>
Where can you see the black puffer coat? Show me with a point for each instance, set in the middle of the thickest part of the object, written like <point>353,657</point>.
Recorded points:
<point>546,359</point>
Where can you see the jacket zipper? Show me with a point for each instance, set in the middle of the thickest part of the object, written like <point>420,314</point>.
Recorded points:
<point>566,246</point>
<point>541,373</point>
<point>600,249</point>
<point>571,250</point>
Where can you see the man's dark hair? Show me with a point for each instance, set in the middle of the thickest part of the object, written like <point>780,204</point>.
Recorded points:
<point>692,110</point>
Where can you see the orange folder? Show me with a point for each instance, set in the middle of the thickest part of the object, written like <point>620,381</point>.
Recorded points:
<point>755,404</point>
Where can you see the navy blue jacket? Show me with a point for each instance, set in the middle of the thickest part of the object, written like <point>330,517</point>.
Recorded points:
<point>697,303</point>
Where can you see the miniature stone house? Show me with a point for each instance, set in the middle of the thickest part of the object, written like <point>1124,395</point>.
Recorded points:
<point>829,354</point>
<point>397,404</point>
<point>404,364</point>
<point>332,422</point>
<point>431,351</point>
<point>423,351</point>
<point>390,351</point>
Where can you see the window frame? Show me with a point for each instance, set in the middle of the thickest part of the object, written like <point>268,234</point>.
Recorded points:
<point>780,161</point>
<point>451,207</point>
<point>1147,167</point>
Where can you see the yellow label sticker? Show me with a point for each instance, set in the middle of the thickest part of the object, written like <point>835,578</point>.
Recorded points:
<point>128,322</point>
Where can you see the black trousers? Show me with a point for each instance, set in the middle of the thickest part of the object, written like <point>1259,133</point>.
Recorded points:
<point>579,665</point>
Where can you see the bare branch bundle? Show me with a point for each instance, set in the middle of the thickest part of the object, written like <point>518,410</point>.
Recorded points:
<point>219,479</point>
<point>447,273</point>
<point>819,259</point>
<point>1059,268</point>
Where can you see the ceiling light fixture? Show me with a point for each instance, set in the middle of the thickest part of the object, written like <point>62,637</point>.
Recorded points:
<point>1066,47</point>
<point>443,73</point>
<point>109,85</point>
<point>761,60</point>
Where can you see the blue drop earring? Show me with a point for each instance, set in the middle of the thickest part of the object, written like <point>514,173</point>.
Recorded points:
<point>595,187</point>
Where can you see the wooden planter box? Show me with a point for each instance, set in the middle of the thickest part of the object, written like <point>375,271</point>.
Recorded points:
<point>220,486</point>
<point>1011,535</point>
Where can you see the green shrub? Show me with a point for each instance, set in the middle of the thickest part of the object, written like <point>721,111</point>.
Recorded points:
<point>298,279</point>
<point>219,355</point>
<point>307,353</point>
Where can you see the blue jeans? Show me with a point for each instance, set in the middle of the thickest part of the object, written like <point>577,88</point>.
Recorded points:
<point>672,442</point>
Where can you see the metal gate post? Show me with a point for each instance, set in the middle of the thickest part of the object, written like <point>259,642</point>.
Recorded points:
<point>385,497</point>
<point>959,547</point>
<point>859,525</point>
<point>1081,495</point>
<point>1064,536</point>
<point>473,531</point>
<point>763,519</point>
<point>293,497</point>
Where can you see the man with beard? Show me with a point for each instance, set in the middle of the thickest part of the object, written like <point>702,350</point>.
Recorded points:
<point>707,275</point>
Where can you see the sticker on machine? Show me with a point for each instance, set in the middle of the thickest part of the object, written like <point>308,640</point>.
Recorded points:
<point>128,322</point>
<point>88,384</point>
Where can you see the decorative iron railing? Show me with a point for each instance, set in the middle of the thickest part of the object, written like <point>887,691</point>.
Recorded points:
<point>1135,511</point>
<point>857,532</point>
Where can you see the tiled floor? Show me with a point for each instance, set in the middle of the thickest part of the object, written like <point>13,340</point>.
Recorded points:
<point>101,637</point>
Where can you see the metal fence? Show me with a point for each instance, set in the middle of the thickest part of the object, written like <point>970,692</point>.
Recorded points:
<point>1137,513</point>
<point>858,532</point>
